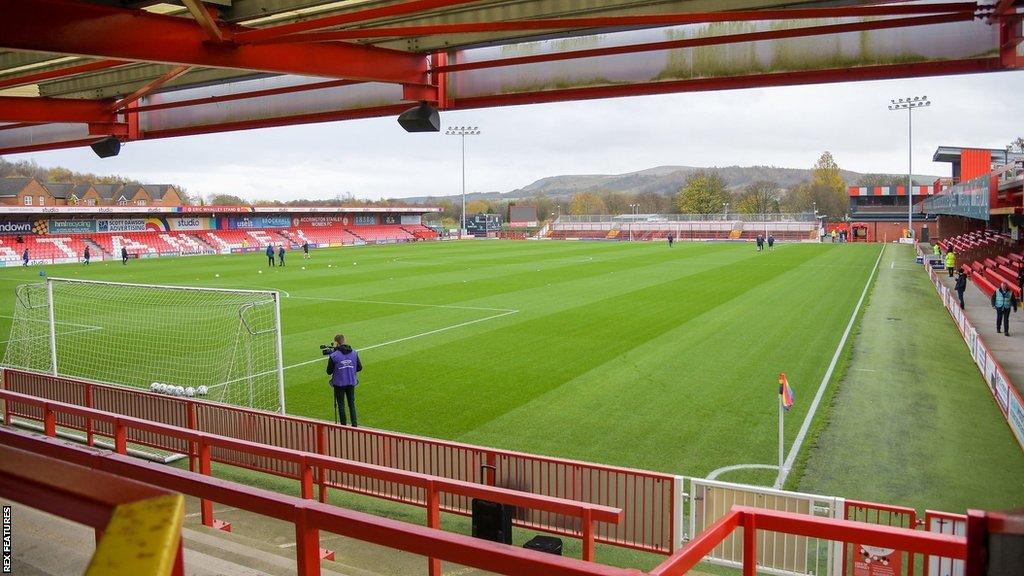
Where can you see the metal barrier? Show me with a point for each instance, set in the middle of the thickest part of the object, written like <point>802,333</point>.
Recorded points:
<point>780,554</point>
<point>311,465</point>
<point>115,507</point>
<point>310,518</point>
<point>650,501</point>
<point>881,515</point>
<point>944,523</point>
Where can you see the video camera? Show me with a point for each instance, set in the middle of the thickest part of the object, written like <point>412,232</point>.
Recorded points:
<point>327,349</point>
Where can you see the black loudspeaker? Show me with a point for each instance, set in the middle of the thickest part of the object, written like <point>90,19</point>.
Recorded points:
<point>107,147</point>
<point>423,118</point>
<point>492,521</point>
<point>546,544</point>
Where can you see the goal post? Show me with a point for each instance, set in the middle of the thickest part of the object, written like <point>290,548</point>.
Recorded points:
<point>184,338</point>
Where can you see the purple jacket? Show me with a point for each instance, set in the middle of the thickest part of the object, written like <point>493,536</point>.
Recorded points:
<point>343,365</point>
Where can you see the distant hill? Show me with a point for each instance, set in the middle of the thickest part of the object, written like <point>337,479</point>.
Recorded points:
<point>660,179</point>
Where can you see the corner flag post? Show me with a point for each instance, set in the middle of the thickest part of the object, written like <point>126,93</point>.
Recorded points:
<point>786,399</point>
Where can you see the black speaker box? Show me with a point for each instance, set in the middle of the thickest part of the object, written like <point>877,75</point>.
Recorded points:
<point>107,147</point>
<point>423,118</point>
<point>546,544</point>
<point>492,521</point>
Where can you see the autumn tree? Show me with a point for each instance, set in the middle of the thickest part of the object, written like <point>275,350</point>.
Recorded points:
<point>759,198</point>
<point>586,203</point>
<point>703,193</point>
<point>652,202</point>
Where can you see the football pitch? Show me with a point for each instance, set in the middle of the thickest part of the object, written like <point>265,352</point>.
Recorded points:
<point>634,354</point>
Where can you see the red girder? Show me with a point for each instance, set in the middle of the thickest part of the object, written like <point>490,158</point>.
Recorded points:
<point>60,73</point>
<point>855,74</point>
<point>104,32</point>
<point>715,40</point>
<point>204,15</point>
<point>626,21</point>
<point>349,18</point>
<point>151,86</point>
<point>16,109</point>
<point>241,96</point>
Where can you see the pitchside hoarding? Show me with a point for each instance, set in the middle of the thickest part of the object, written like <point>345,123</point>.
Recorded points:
<point>247,222</point>
<point>71,226</point>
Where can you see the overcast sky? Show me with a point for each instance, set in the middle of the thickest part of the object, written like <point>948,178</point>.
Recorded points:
<point>787,127</point>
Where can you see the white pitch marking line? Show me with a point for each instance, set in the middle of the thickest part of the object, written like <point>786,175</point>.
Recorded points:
<point>716,473</point>
<point>795,448</point>
<point>321,358</point>
<point>64,323</point>
<point>452,306</point>
<point>90,329</point>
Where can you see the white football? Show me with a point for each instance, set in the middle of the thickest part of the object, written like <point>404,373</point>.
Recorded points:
<point>202,390</point>
<point>216,275</point>
<point>190,391</point>
<point>260,272</point>
<point>303,267</point>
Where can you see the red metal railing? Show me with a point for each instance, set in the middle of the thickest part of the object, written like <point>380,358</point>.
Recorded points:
<point>882,515</point>
<point>944,523</point>
<point>310,517</point>
<point>79,494</point>
<point>648,499</point>
<point>313,465</point>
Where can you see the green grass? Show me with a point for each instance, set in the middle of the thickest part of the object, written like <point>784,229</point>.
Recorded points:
<point>913,422</point>
<point>628,354</point>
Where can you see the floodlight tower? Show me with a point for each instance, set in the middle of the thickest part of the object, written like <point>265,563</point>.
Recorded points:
<point>463,131</point>
<point>909,104</point>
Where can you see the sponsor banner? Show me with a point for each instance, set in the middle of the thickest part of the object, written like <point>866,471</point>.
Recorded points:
<point>67,226</point>
<point>875,561</point>
<point>364,220</point>
<point>320,221</point>
<point>412,219</point>
<point>131,225</point>
<point>247,222</point>
<point>1015,416</point>
<point>191,223</point>
<point>16,227</point>
<point>216,209</point>
<point>1000,390</point>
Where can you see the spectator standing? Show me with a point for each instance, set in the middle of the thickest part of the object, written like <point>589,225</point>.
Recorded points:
<point>961,285</point>
<point>24,257</point>
<point>85,255</point>
<point>950,262</point>
<point>124,255</point>
<point>270,254</point>
<point>280,254</point>
<point>1003,300</point>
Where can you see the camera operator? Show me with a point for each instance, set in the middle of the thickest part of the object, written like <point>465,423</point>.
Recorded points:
<point>343,365</point>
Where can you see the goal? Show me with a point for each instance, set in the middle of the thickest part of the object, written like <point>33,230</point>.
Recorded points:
<point>181,340</point>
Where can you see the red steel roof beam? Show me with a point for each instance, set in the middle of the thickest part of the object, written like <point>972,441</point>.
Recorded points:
<point>241,96</point>
<point>627,21</point>
<point>105,32</point>
<point>60,73</point>
<point>150,87</point>
<point>41,110</point>
<point>713,40</point>
<point>349,18</point>
<point>204,15</point>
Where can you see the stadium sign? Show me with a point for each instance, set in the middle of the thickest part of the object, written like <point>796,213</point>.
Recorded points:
<point>259,222</point>
<point>412,219</point>
<point>71,226</point>
<point>130,225</point>
<point>189,223</point>
<point>15,227</point>
<point>363,220</point>
<point>319,221</point>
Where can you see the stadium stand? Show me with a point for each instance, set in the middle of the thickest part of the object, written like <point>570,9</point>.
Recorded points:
<point>988,258</point>
<point>382,234</point>
<point>657,227</point>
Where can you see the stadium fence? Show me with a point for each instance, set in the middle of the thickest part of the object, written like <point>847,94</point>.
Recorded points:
<point>309,518</point>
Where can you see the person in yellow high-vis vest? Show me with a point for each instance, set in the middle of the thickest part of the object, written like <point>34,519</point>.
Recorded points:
<point>950,262</point>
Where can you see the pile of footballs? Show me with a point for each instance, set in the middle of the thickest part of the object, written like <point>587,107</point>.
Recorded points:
<point>172,390</point>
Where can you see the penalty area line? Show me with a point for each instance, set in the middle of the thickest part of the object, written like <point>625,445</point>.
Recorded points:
<point>795,448</point>
<point>380,345</point>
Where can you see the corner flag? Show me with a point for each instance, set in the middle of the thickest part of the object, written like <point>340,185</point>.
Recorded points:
<point>785,391</point>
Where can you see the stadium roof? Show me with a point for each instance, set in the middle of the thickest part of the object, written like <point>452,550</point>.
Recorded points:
<point>72,71</point>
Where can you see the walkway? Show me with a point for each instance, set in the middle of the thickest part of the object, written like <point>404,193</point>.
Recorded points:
<point>1009,351</point>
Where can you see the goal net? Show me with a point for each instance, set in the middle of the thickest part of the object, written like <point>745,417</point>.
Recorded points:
<point>221,344</point>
